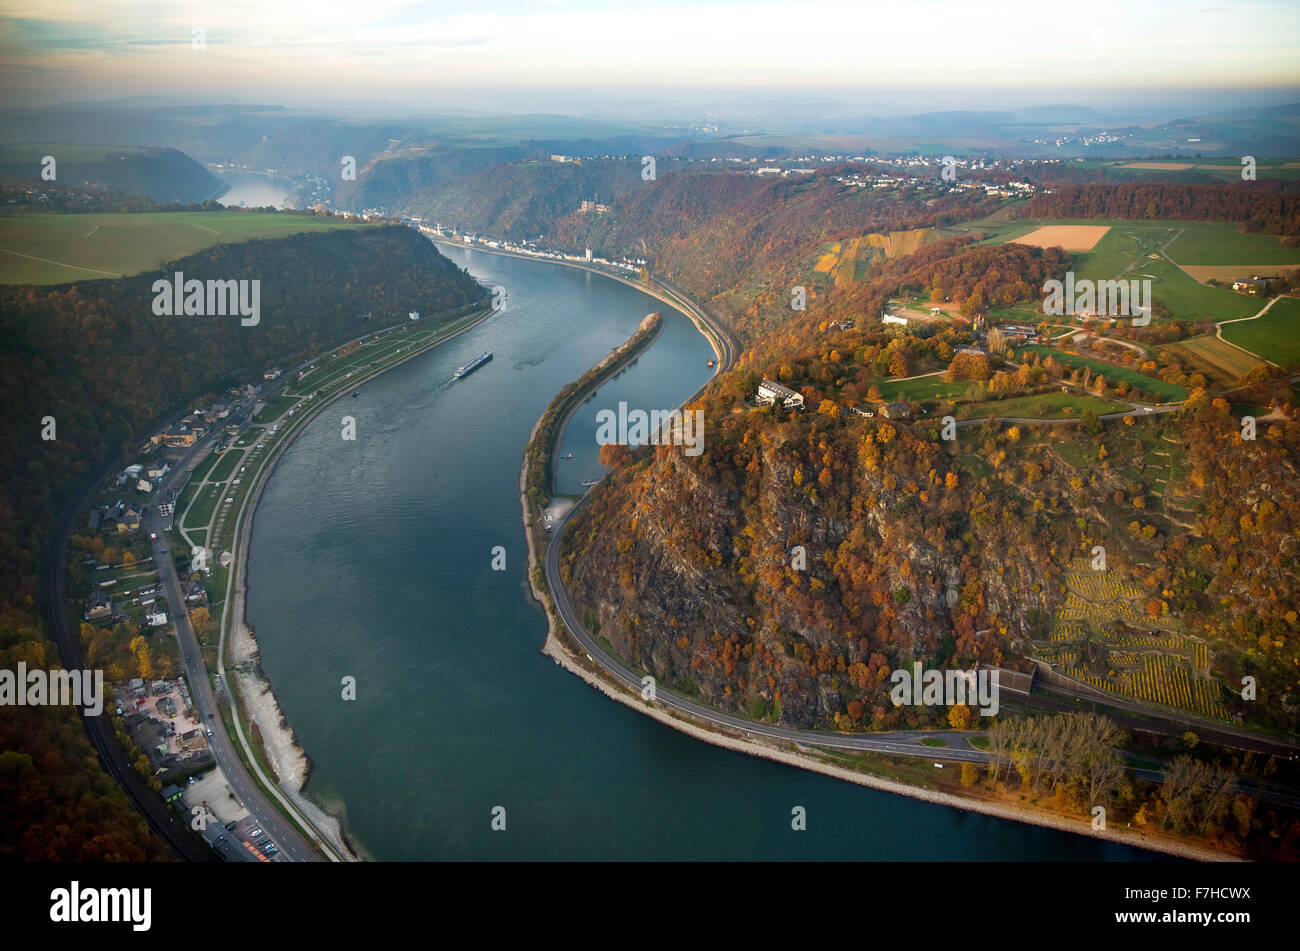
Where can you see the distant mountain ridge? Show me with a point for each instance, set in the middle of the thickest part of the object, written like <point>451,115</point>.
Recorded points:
<point>162,174</point>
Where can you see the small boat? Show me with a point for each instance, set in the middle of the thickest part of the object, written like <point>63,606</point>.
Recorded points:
<point>356,392</point>
<point>711,362</point>
<point>588,485</point>
<point>569,456</point>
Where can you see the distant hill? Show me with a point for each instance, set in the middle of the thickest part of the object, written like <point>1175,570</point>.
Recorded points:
<point>162,174</point>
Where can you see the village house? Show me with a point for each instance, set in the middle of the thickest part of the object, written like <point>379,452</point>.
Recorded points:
<point>179,436</point>
<point>98,606</point>
<point>129,520</point>
<point>196,593</point>
<point>1253,285</point>
<point>893,410</point>
<point>770,391</point>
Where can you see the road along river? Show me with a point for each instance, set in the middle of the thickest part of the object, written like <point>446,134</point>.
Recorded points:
<point>373,559</point>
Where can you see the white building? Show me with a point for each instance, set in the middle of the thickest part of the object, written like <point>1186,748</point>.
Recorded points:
<point>156,618</point>
<point>893,319</point>
<point>769,392</point>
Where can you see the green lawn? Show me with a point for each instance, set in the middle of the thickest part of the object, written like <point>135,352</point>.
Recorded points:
<point>1275,336</point>
<point>226,466</point>
<point>201,511</point>
<point>275,409</point>
<point>1218,242</point>
<point>203,468</point>
<point>1112,372</point>
<point>1125,252</point>
<point>928,388</point>
<point>1041,406</point>
<point>56,249</point>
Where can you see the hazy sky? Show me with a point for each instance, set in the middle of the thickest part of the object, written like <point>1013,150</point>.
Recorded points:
<point>962,53</point>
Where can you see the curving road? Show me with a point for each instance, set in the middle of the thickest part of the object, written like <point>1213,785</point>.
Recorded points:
<point>899,743</point>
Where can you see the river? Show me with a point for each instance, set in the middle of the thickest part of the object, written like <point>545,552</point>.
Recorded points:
<point>372,559</point>
<point>255,191</point>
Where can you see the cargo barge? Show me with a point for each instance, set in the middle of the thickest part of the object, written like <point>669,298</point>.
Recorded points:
<point>473,365</point>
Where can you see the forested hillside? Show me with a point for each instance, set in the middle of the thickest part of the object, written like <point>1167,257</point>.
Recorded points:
<point>742,241</point>
<point>93,356</point>
<point>1261,210</point>
<point>164,175</point>
<point>520,200</point>
<point>918,547</point>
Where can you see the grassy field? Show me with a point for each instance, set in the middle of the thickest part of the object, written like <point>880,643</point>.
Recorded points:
<point>226,466</point>
<point>1217,242</point>
<point>1041,406</point>
<point>927,388</point>
<point>1229,169</point>
<point>203,468</point>
<point>275,409</point>
<point>201,511</point>
<point>1112,372</point>
<point>1129,251</point>
<point>56,249</point>
<point>1276,335</point>
<point>1230,360</point>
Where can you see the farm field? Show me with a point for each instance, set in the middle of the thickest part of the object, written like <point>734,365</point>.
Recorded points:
<point>1069,237</point>
<point>1129,251</point>
<point>1275,336</point>
<point>1224,243</point>
<point>1140,661</point>
<point>1233,362</point>
<point>56,249</point>
<point>1112,372</point>
<point>850,260</point>
<point>1229,168</point>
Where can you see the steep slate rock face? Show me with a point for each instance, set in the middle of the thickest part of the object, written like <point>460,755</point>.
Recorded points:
<point>685,564</point>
